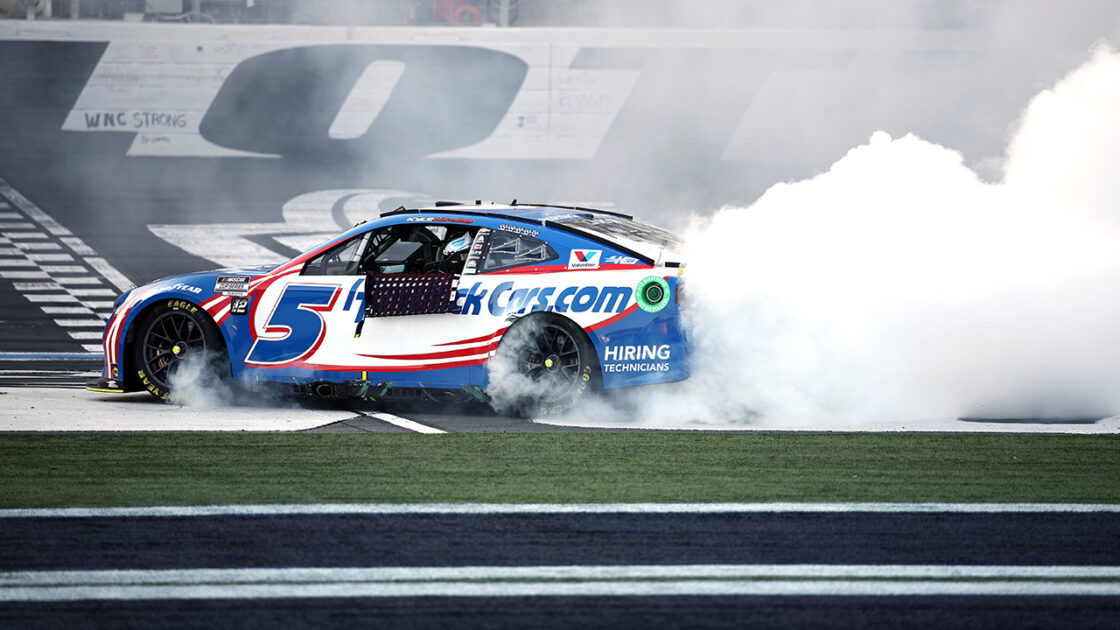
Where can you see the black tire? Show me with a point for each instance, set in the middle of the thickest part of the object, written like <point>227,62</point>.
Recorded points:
<point>169,333</point>
<point>544,365</point>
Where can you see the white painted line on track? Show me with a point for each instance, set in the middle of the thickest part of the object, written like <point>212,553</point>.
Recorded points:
<point>71,280</point>
<point>23,275</point>
<point>53,269</point>
<point>92,292</point>
<point>49,356</point>
<point>80,323</point>
<point>68,310</point>
<point>38,246</point>
<point>51,297</point>
<point>38,286</point>
<point>554,572</point>
<point>109,272</point>
<point>521,582</point>
<point>403,423</point>
<point>50,257</point>
<point>557,508</point>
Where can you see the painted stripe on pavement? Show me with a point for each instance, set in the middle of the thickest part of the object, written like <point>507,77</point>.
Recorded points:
<point>109,272</point>
<point>48,356</point>
<point>66,280</point>
<point>24,245</point>
<point>403,423</point>
<point>50,297</point>
<point>37,286</point>
<point>24,275</point>
<point>555,508</point>
<point>80,323</point>
<point>555,572</point>
<point>50,257</point>
<point>532,581</point>
<point>67,310</point>
<point>94,292</point>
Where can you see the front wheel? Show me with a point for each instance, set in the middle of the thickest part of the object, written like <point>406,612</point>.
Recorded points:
<point>544,365</point>
<point>171,334</point>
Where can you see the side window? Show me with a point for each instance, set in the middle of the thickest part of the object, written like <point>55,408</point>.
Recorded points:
<point>508,249</point>
<point>417,248</point>
<point>340,260</point>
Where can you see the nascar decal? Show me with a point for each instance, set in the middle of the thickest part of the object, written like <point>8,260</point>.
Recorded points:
<point>236,286</point>
<point>506,299</point>
<point>584,258</point>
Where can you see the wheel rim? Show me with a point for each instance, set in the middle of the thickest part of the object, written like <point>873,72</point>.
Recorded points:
<point>551,358</point>
<point>171,338</point>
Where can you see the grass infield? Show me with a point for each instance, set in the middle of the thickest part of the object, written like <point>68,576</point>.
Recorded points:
<point>103,469</point>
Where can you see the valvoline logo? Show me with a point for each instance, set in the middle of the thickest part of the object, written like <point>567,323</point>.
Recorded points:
<point>584,258</point>
<point>505,299</point>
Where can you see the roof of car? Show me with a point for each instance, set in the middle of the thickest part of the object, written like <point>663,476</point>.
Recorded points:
<point>534,213</point>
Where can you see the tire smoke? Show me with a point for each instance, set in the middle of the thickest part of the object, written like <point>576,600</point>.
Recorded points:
<point>900,286</point>
<point>202,380</point>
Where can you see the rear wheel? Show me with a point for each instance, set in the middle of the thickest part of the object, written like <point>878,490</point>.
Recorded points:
<point>544,365</point>
<point>171,333</point>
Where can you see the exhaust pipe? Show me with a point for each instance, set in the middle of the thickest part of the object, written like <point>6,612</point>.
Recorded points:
<point>323,390</point>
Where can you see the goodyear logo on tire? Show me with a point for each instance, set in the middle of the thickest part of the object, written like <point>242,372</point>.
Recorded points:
<point>652,293</point>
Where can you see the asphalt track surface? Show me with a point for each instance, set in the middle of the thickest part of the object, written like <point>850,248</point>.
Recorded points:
<point>33,387</point>
<point>406,545</point>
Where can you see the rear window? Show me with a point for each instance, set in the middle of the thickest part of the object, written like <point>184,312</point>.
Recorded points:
<point>508,249</point>
<point>621,229</point>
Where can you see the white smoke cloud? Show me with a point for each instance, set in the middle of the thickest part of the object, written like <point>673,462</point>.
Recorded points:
<point>201,380</point>
<point>899,285</point>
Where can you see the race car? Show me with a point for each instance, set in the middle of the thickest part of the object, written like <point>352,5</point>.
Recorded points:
<point>528,307</point>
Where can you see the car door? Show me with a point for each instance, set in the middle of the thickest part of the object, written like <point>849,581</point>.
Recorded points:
<point>413,333</point>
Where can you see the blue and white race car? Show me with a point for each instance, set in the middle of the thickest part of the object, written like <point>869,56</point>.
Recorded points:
<point>526,306</point>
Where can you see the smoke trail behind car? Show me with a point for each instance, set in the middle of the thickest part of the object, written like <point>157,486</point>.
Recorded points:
<point>899,285</point>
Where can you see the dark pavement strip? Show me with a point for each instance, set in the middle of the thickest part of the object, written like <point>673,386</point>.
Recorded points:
<point>353,540</point>
<point>579,612</point>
